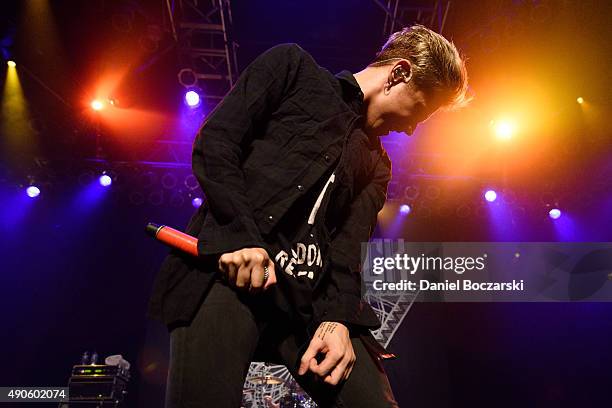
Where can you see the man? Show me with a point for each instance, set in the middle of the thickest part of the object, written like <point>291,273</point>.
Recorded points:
<point>294,175</point>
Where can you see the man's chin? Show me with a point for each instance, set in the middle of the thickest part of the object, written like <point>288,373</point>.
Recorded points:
<point>377,132</point>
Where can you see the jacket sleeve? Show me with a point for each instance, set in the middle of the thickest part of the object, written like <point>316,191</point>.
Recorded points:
<point>221,142</point>
<point>347,305</point>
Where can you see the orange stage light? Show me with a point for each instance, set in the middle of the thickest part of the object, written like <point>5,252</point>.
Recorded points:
<point>97,105</point>
<point>504,129</point>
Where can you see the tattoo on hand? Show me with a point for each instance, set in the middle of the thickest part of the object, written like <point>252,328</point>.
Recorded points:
<point>327,328</point>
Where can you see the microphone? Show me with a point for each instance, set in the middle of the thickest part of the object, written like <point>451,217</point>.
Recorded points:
<point>173,238</point>
<point>179,240</point>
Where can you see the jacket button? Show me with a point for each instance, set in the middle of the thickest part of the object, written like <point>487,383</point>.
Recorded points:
<point>270,218</point>
<point>300,187</point>
<point>326,157</point>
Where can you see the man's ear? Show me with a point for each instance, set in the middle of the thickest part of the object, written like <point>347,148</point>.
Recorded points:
<point>401,72</point>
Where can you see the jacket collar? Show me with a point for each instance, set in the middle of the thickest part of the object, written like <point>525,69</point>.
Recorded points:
<point>350,87</point>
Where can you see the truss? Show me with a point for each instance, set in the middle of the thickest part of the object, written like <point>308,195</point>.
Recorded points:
<point>202,29</point>
<point>403,13</point>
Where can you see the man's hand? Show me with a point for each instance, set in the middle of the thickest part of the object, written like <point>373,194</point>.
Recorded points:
<point>244,269</point>
<point>333,340</point>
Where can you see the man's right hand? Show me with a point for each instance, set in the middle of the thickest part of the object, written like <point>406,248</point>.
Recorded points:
<point>244,269</point>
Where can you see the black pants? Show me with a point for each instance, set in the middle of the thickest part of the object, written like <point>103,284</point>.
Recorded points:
<point>210,358</point>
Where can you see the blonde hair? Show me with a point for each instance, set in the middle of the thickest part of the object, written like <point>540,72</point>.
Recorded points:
<point>436,64</point>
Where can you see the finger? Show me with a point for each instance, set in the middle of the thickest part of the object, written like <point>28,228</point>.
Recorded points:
<point>223,261</point>
<point>243,277</point>
<point>349,368</point>
<point>257,279</point>
<point>313,348</point>
<point>271,275</point>
<point>332,358</point>
<point>314,366</point>
<point>257,257</point>
<point>337,373</point>
<point>231,272</point>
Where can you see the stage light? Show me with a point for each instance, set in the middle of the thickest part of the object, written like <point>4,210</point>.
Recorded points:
<point>97,105</point>
<point>196,202</point>
<point>33,191</point>
<point>168,181</point>
<point>192,99</point>
<point>554,213</point>
<point>105,180</point>
<point>580,99</point>
<point>15,118</point>
<point>11,64</point>
<point>191,182</point>
<point>187,77</point>
<point>411,193</point>
<point>490,195</point>
<point>504,129</point>
<point>405,209</point>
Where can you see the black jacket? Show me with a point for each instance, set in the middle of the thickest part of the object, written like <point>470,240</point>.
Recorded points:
<point>274,135</point>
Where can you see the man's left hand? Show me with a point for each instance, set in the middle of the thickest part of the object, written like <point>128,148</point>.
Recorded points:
<point>331,339</point>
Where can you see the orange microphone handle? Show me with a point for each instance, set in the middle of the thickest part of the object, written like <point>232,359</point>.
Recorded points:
<point>174,238</point>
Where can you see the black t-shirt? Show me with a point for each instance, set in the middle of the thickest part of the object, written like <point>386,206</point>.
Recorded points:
<point>298,246</point>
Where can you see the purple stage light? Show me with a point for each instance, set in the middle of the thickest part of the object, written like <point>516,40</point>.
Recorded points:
<point>405,209</point>
<point>33,191</point>
<point>196,202</point>
<point>105,180</point>
<point>490,196</point>
<point>192,99</point>
<point>554,213</point>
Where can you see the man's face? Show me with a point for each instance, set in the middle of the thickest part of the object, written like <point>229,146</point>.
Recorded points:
<point>399,109</point>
